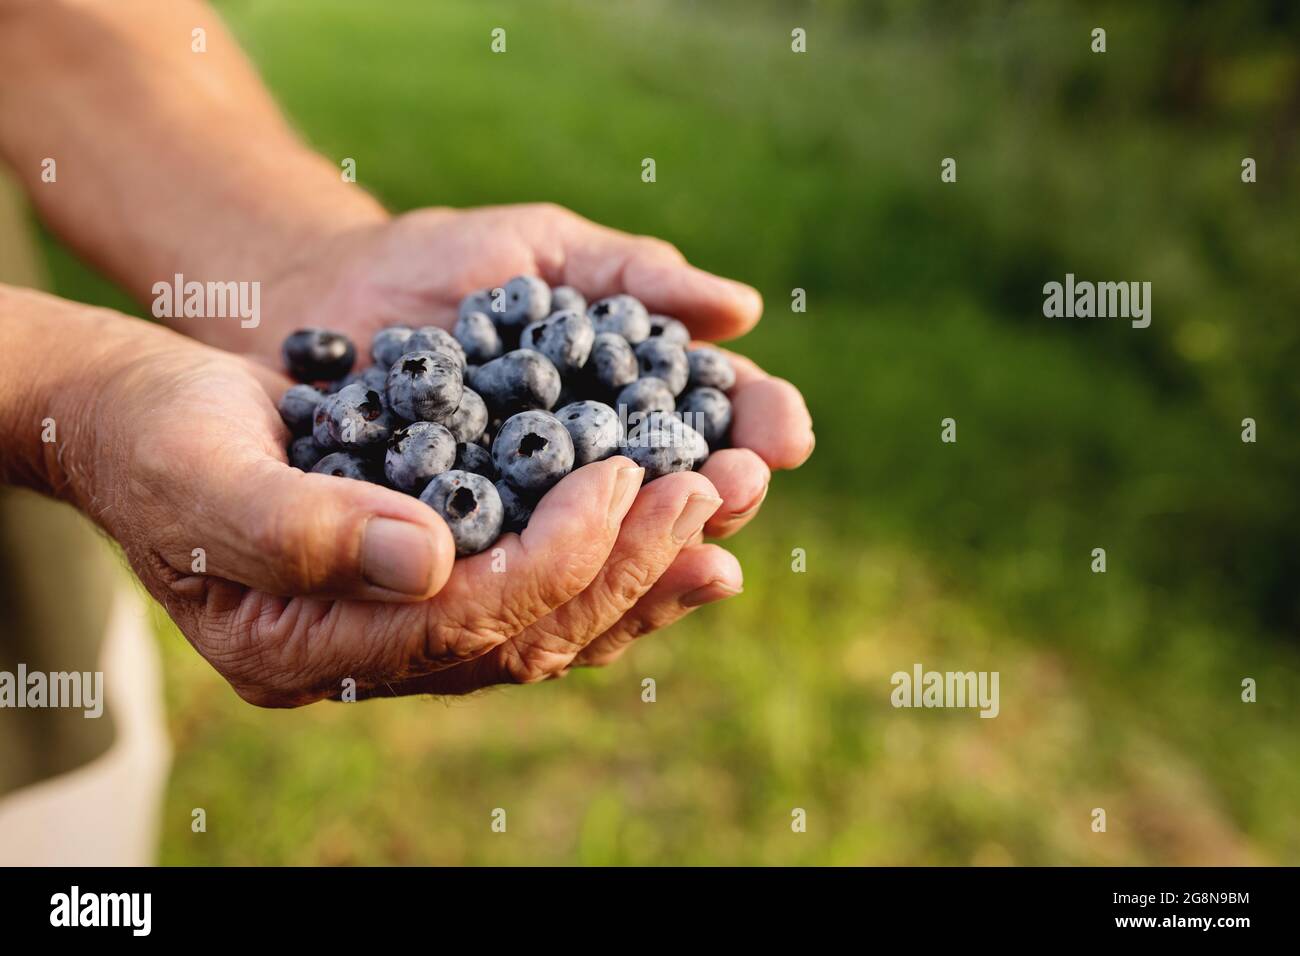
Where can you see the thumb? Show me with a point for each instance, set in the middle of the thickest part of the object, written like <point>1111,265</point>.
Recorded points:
<point>287,532</point>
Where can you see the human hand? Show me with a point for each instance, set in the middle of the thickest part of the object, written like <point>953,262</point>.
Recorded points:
<point>291,583</point>
<point>415,269</point>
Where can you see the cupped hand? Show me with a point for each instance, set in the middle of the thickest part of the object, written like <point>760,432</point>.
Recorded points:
<point>293,584</point>
<point>416,268</point>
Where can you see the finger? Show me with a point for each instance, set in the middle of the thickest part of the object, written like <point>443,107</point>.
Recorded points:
<point>741,478</point>
<point>667,513</point>
<point>700,575</point>
<point>769,416</point>
<point>604,261</point>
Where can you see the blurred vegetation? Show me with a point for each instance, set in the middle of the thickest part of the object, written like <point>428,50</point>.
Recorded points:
<point>821,171</point>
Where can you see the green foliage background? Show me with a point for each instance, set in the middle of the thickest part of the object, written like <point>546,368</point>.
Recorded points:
<point>821,171</point>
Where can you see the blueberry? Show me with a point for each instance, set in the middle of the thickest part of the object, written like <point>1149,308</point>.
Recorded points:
<point>342,464</point>
<point>304,453</point>
<point>315,355</point>
<point>425,386</point>
<point>680,432</point>
<point>320,424</point>
<point>388,345</point>
<point>375,377</point>
<point>485,301</point>
<point>533,451</point>
<point>567,297</point>
<point>622,314</point>
<point>644,395</point>
<point>470,418</point>
<point>611,365</point>
<point>416,453</point>
<point>356,419</point>
<point>669,329</point>
<point>708,411</point>
<point>660,452</point>
<point>527,299</point>
<point>595,429</point>
<point>665,361</point>
<point>431,338</point>
<point>563,337</point>
<point>470,505</point>
<point>711,368</point>
<point>478,337</point>
<point>518,381</point>
<point>298,407</point>
<point>471,456</point>
<point>518,507</point>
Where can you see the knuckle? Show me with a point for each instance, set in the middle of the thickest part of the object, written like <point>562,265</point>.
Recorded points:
<point>527,665</point>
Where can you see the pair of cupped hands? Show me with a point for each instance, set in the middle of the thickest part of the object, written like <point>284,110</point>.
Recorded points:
<point>311,580</point>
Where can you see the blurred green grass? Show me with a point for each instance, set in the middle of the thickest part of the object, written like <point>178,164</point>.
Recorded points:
<point>820,171</point>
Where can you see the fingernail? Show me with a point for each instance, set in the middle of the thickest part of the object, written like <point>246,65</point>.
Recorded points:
<point>626,485</point>
<point>713,591</point>
<point>697,511</point>
<point>758,503</point>
<point>396,555</point>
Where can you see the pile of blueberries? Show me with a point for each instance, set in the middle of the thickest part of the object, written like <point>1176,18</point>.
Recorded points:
<point>530,384</point>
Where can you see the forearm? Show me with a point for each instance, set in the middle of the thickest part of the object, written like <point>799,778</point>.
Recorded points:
<point>167,160</point>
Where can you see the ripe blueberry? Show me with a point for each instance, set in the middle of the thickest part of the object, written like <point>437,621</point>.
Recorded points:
<point>315,355</point>
<point>342,464</point>
<point>533,451</point>
<point>431,338</point>
<point>357,419</point>
<point>527,299</point>
<point>304,453</point>
<point>425,386</point>
<point>669,329</point>
<point>644,395</point>
<point>518,381</point>
<point>665,361</point>
<point>517,506</point>
<point>611,365</point>
<point>471,456</point>
<point>708,411</point>
<point>478,337</point>
<point>711,368</point>
<point>388,345</point>
<point>416,453</point>
<point>595,429</point>
<point>470,418</point>
<point>623,314</point>
<point>661,451</point>
<point>298,407</point>
<point>564,337</point>
<point>567,297</point>
<point>470,505</point>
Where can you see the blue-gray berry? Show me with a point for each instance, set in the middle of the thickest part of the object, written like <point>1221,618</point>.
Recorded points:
<point>669,329</point>
<point>470,418</point>
<point>533,451</point>
<point>623,314</point>
<point>567,297</point>
<point>478,336</point>
<point>297,407</point>
<point>315,355</point>
<point>431,338</point>
<point>425,386</point>
<point>471,456</point>
<point>564,337</point>
<point>343,464</point>
<point>664,360</point>
<point>527,299</point>
<point>304,453</point>
<point>518,381</point>
<point>470,505</point>
<point>517,506</point>
<point>661,451</point>
<point>416,453</point>
<point>388,345</point>
<point>711,368</point>
<point>611,365</point>
<point>357,419</point>
<point>708,411</point>
<point>595,429</point>
<point>642,396</point>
